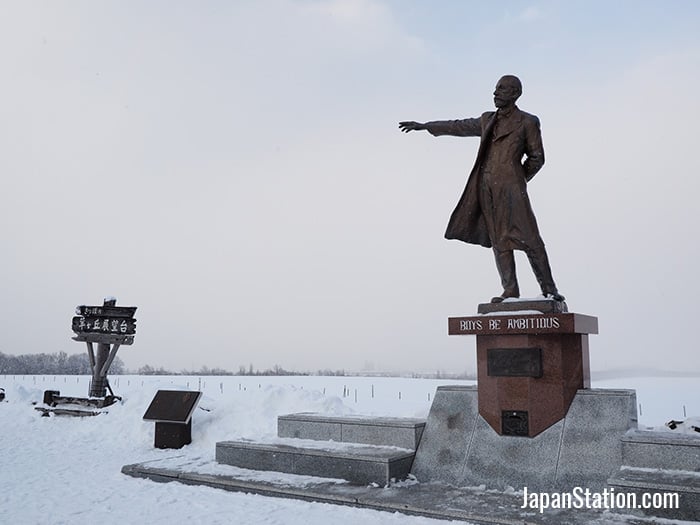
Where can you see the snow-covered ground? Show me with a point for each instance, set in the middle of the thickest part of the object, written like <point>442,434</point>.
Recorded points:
<point>57,470</point>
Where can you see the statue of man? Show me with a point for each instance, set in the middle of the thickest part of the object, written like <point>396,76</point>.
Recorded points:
<point>494,210</point>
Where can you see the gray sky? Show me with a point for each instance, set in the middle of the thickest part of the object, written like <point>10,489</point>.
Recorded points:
<point>235,170</point>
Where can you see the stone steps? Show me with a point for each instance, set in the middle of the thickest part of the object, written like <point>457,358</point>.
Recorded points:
<point>661,462</point>
<point>385,431</point>
<point>667,484</point>
<point>363,464</point>
<point>359,449</point>
<point>664,450</point>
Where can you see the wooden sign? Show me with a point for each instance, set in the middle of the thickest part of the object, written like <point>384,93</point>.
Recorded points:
<point>106,311</point>
<point>106,339</point>
<point>110,326</point>
<point>104,325</point>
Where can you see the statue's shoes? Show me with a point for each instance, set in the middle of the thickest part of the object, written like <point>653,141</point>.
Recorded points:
<point>501,298</point>
<point>556,296</point>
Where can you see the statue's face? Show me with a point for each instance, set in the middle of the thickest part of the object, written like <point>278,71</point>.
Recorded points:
<point>507,92</point>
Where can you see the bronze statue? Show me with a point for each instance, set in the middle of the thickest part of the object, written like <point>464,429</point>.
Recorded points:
<point>494,210</point>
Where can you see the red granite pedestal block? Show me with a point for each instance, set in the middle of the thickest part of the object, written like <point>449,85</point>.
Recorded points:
<point>529,367</point>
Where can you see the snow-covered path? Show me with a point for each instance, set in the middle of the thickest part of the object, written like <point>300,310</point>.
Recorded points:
<point>61,470</point>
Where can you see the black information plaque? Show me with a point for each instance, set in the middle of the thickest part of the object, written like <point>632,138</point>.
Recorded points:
<point>172,406</point>
<point>514,362</point>
<point>172,411</point>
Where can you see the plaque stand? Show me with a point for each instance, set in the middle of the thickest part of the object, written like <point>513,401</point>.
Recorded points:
<point>532,357</point>
<point>172,412</point>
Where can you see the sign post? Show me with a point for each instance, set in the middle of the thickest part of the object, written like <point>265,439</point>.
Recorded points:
<point>109,326</point>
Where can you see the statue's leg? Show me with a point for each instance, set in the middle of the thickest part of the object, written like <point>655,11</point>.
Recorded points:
<point>543,273</point>
<point>505,263</point>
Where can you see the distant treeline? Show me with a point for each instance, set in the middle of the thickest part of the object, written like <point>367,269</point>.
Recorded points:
<point>148,370</point>
<point>59,363</point>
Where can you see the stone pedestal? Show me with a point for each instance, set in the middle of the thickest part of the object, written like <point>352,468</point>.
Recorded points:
<point>582,450</point>
<point>529,364</point>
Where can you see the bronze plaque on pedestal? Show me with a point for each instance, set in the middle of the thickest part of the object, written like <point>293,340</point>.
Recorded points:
<point>514,362</point>
<point>514,423</point>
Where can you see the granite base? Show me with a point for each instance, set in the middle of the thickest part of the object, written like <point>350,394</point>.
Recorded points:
<point>584,449</point>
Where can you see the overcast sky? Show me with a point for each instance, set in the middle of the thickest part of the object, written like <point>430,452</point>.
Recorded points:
<point>235,170</point>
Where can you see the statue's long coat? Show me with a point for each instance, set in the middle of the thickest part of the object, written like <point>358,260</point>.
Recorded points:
<point>503,218</point>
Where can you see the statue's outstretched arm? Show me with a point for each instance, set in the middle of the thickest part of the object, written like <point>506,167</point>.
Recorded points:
<point>409,125</point>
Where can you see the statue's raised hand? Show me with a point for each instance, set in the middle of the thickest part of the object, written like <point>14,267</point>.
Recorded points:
<point>409,125</point>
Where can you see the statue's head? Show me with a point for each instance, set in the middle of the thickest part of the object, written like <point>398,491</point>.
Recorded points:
<point>507,91</point>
